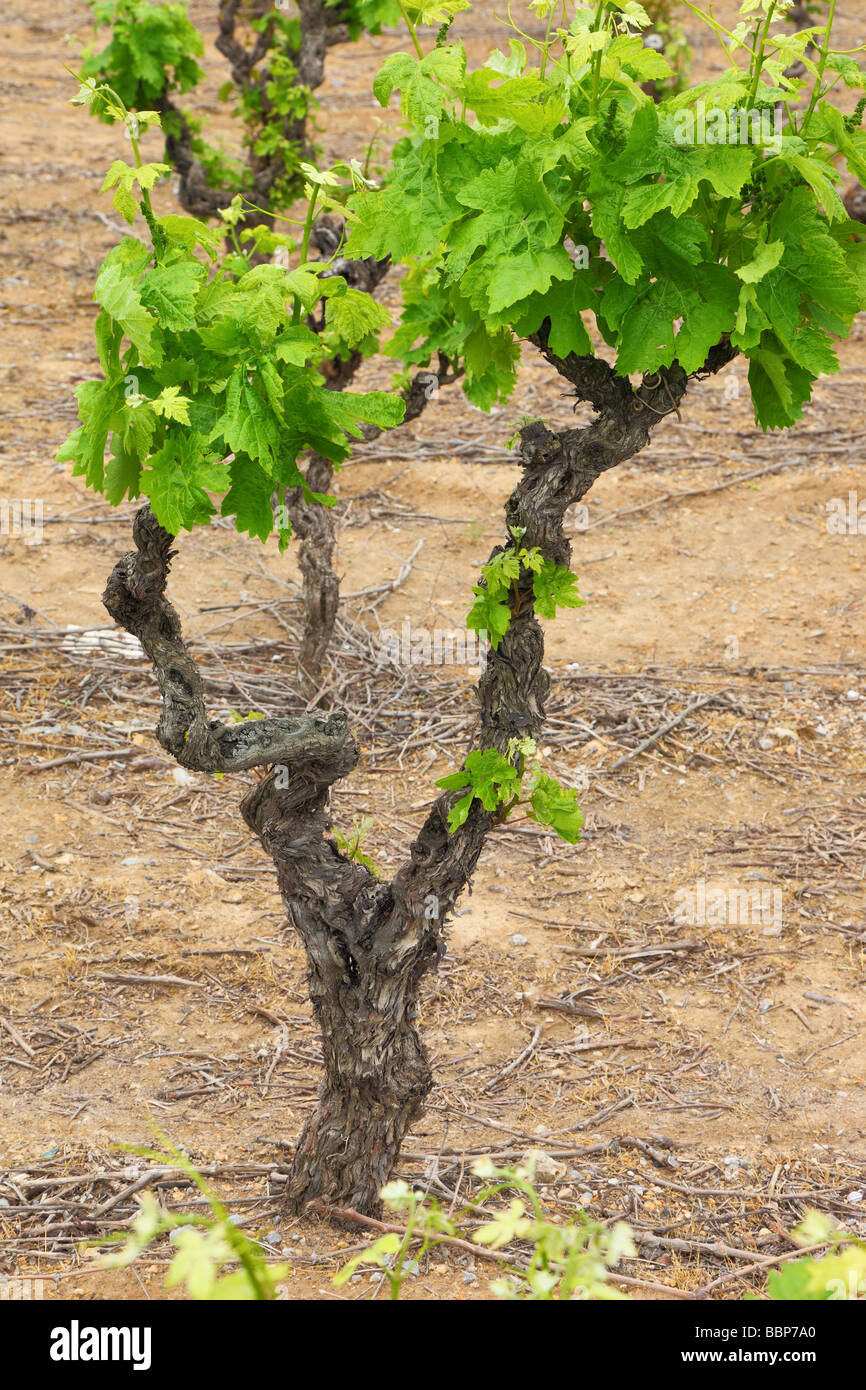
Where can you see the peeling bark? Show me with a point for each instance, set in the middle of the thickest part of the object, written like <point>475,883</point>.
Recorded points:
<point>314,524</point>
<point>377,1073</point>
<point>369,944</point>
<point>311,522</point>
<point>135,598</point>
<point>316,528</point>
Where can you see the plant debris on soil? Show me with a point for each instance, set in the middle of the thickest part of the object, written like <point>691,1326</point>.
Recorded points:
<point>671,1010</point>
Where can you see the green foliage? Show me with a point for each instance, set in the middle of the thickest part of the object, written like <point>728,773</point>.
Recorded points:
<point>561,193</point>
<point>211,388</point>
<point>123,178</point>
<point>426,1225</point>
<point>434,314</point>
<point>205,1245</point>
<point>350,844</point>
<point>369,15</point>
<point>487,777</point>
<point>500,597</point>
<point>152,50</point>
<point>840,1273</point>
<point>150,59</point>
<point>677,52</point>
<point>498,783</point>
<point>264,108</point>
<point>353,322</point>
<point>562,1262</point>
<point>566,1262</point>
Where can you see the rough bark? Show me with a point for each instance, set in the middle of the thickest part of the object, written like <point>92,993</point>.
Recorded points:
<point>315,525</point>
<point>135,598</point>
<point>377,1073</point>
<point>369,944</point>
<point>320,27</point>
<point>855,202</point>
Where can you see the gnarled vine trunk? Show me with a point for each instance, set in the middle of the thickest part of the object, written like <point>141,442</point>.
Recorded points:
<point>377,1073</point>
<point>313,524</point>
<point>368,943</point>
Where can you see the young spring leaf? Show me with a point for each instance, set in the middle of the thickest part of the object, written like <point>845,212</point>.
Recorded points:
<point>556,806</point>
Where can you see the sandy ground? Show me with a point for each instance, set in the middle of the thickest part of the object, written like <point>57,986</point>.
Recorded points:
<point>703,1079</point>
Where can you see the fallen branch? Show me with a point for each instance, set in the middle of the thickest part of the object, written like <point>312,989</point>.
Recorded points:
<point>81,757</point>
<point>759,1265</point>
<point>665,729</point>
<point>150,980</point>
<point>387,1228</point>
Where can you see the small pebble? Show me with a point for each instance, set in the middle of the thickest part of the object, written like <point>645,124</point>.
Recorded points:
<point>855,1197</point>
<point>518,940</point>
<point>469,1278</point>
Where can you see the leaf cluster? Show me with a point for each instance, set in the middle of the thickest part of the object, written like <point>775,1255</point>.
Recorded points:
<point>499,598</point>
<point>205,1245</point>
<point>550,1261</point>
<point>497,781</point>
<point>560,194</point>
<point>211,390</point>
<point>153,49</point>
